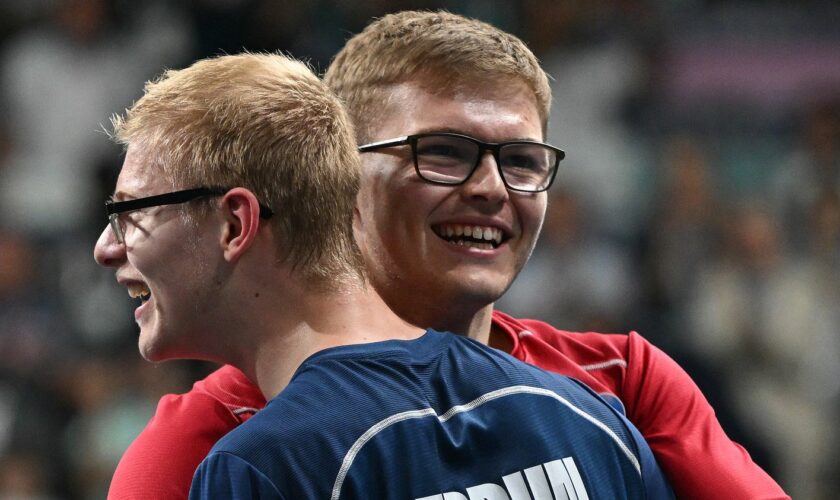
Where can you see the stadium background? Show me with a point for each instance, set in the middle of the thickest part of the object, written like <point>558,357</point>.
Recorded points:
<point>699,205</point>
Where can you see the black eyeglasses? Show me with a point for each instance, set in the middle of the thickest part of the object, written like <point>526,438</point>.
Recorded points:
<point>115,208</point>
<point>451,159</point>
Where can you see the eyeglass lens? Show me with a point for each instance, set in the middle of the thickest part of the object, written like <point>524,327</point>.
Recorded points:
<point>451,160</point>
<point>116,227</point>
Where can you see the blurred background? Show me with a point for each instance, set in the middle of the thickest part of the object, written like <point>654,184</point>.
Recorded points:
<point>699,205</point>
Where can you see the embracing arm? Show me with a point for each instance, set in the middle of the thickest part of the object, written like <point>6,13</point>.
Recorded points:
<point>683,431</point>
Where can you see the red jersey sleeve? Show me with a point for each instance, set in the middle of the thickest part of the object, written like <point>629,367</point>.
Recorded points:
<point>683,431</point>
<point>659,398</point>
<point>161,461</point>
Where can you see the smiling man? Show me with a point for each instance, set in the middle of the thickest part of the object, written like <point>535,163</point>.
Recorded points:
<point>444,200</point>
<point>419,73</point>
<point>450,114</point>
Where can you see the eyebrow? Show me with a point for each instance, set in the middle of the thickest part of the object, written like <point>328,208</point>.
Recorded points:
<point>452,130</point>
<point>120,196</point>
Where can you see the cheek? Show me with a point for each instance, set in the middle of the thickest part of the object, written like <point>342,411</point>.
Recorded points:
<point>400,228</point>
<point>170,265</point>
<point>395,204</point>
<point>141,258</point>
<point>531,215</point>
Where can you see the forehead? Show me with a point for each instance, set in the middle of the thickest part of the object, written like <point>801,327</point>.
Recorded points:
<point>492,111</point>
<point>138,176</point>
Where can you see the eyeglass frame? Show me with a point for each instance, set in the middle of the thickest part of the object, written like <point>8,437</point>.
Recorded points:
<point>114,208</point>
<point>493,147</point>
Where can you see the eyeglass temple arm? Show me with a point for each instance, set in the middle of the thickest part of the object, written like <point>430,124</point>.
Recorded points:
<point>399,141</point>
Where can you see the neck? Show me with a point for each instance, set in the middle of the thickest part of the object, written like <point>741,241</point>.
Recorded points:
<point>478,325</point>
<point>317,321</point>
<point>455,318</point>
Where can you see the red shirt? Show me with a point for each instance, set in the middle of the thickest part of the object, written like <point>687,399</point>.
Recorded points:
<point>161,462</point>
<point>658,396</point>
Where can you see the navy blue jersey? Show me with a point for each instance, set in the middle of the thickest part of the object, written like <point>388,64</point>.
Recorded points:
<point>441,417</point>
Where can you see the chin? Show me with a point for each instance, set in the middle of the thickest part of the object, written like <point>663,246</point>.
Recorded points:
<point>150,353</point>
<point>156,346</point>
<point>478,292</point>
<point>152,347</point>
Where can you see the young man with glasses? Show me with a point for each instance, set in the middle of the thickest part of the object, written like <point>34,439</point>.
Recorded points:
<point>414,75</point>
<point>226,162</point>
<point>449,211</point>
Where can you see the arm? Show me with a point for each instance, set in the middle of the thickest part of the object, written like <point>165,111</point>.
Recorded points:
<point>683,432</point>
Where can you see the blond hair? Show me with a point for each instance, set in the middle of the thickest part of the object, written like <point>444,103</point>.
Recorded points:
<point>267,123</point>
<point>442,49</point>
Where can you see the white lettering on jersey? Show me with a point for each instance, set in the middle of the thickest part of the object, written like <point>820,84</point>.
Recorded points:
<point>562,475</point>
<point>487,491</point>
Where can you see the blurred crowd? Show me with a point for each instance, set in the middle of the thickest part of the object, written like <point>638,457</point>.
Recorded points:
<point>699,205</point>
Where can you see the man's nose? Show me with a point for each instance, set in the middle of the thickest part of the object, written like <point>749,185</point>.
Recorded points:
<point>486,181</point>
<point>108,252</point>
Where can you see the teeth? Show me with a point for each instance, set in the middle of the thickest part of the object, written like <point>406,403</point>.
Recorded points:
<point>489,234</point>
<point>472,244</point>
<point>136,290</point>
<point>497,236</point>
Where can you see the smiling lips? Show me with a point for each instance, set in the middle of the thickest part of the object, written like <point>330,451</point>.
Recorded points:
<point>481,237</point>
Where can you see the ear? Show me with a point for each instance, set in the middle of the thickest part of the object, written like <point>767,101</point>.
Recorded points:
<point>241,211</point>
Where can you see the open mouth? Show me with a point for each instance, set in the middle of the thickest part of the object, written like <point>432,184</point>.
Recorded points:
<point>480,237</point>
<point>139,291</point>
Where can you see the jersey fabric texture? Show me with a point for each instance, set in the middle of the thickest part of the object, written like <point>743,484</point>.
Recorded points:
<point>435,417</point>
<point>657,395</point>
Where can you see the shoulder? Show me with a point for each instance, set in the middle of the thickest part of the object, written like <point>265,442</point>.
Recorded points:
<point>230,388</point>
<point>619,361</point>
<point>599,360</point>
<point>317,399</point>
<point>296,444</point>
<point>224,398</point>
<point>225,475</point>
<point>592,344</point>
<point>182,431</point>
<point>590,350</point>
